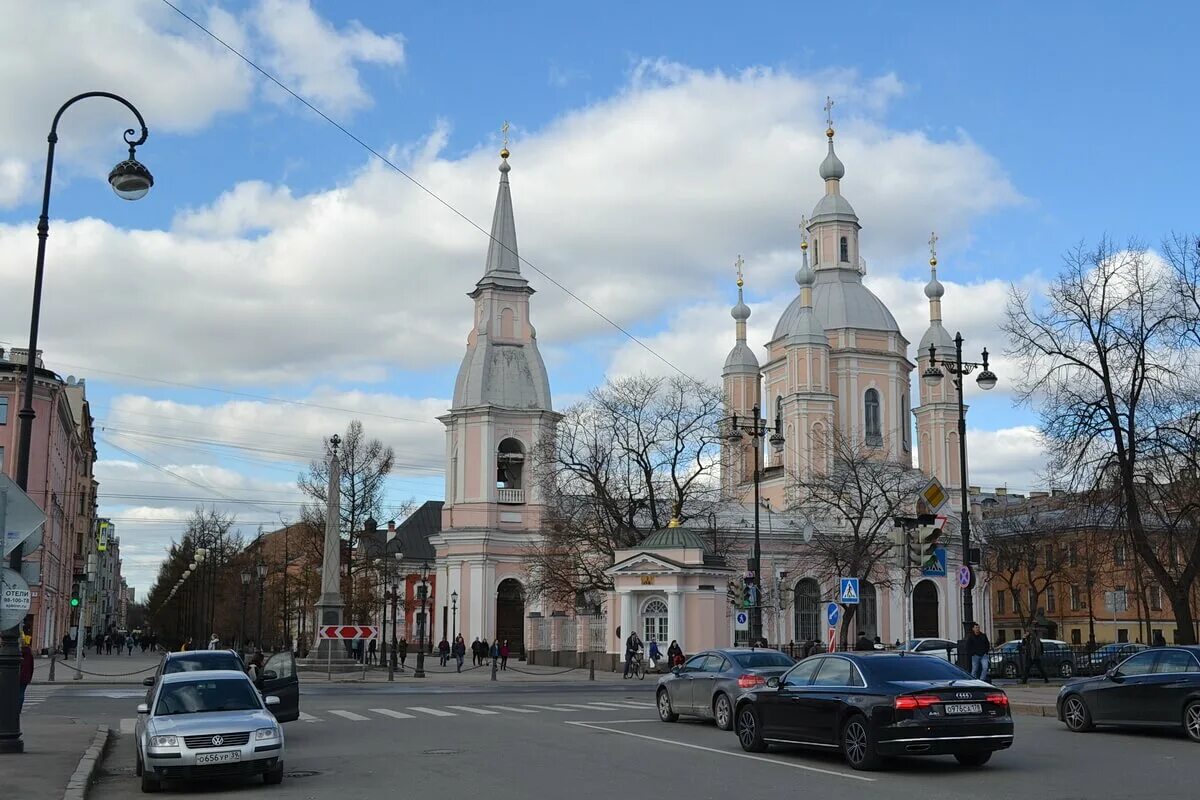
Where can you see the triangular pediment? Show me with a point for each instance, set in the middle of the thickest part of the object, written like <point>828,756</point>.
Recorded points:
<point>645,564</point>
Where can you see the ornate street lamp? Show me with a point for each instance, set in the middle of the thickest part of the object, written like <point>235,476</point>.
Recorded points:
<point>453,617</point>
<point>932,376</point>
<point>423,590</point>
<point>758,429</point>
<point>261,569</point>
<point>246,578</point>
<point>393,596</point>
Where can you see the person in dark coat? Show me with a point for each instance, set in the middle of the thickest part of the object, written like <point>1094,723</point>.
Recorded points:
<point>26,675</point>
<point>484,651</point>
<point>443,650</point>
<point>402,650</point>
<point>674,654</point>
<point>978,647</point>
<point>1033,655</point>
<point>460,651</point>
<point>863,643</point>
<point>1159,640</point>
<point>504,651</point>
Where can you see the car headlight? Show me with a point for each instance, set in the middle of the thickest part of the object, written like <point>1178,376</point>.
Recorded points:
<point>266,733</point>
<point>164,741</point>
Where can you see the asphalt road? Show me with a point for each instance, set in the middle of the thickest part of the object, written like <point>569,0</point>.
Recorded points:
<point>587,742</point>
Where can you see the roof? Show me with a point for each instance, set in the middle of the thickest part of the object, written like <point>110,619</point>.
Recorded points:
<point>412,535</point>
<point>741,359</point>
<point>840,300</point>
<point>673,539</point>
<point>939,337</point>
<point>202,674</point>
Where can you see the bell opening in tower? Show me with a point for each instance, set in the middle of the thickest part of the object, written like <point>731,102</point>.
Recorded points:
<point>510,468</point>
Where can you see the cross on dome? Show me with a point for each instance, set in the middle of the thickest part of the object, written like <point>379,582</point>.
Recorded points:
<point>933,240</point>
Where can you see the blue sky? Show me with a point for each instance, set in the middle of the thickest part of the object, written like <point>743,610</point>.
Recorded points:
<point>651,143</point>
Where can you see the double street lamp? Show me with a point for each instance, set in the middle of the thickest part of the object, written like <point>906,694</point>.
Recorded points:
<point>453,618</point>
<point>392,596</point>
<point>758,429</point>
<point>932,376</point>
<point>261,569</point>
<point>246,578</point>
<point>131,181</point>
<point>423,591</point>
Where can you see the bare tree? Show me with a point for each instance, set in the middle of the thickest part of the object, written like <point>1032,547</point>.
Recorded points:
<point>636,452</point>
<point>853,508</point>
<point>1110,364</point>
<point>1026,554</point>
<point>365,464</point>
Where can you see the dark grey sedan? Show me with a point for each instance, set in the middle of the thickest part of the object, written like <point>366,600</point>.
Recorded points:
<point>708,684</point>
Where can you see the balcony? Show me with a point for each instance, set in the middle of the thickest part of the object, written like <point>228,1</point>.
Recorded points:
<point>510,497</point>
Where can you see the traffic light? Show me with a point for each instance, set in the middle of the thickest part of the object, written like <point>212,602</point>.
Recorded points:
<point>76,590</point>
<point>926,541</point>
<point>749,592</point>
<point>736,592</point>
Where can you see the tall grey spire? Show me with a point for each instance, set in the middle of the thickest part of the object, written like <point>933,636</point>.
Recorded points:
<point>502,250</point>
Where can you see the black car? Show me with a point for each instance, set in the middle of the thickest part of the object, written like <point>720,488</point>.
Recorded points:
<point>1158,687</point>
<point>278,677</point>
<point>1058,659</point>
<point>1105,658</point>
<point>874,705</point>
<point>707,684</point>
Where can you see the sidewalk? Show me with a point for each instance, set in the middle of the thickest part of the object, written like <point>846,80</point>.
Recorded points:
<point>517,672</point>
<point>1033,699</point>
<point>118,669</point>
<point>54,749</point>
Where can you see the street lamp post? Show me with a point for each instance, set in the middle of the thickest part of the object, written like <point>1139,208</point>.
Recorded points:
<point>261,568</point>
<point>394,597</point>
<point>246,578</point>
<point>453,617</point>
<point>757,428</point>
<point>958,369</point>
<point>130,180</point>
<point>420,673</point>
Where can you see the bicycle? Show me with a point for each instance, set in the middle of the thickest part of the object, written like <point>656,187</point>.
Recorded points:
<point>637,666</point>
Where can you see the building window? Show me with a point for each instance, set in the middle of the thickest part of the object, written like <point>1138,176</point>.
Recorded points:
<point>1076,636</point>
<point>1076,602</point>
<point>1122,635</point>
<point>807,605</point>
<point>1119,555</point>
<point>845,251</point>
<point>1156,598</point>
<point>816,251</point>
<point>3,410</point>
<point>778,457</point>
<point>905,420</point>
<point>1033,598</point>
<point>654,622</point>
<point>1,459</point>
<point>1051,600</point>
<point>1001,603</point>
<point>871,417</point>
<point>1001,636</point>
<point>1073,554</point>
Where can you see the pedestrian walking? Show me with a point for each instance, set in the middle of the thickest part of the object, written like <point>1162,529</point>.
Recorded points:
<point>1159,640</point>
<point>862,643</point>
<point>460,651</point>
<point>372,649</point>
<point>66,646</point>
<point>402,650</point>
<point>129,645</point>
<point>186,646</point>
<point>443,650</point>
<point>654,653</point>
<point>475,660</point>
<point>495,651</point>
<point>504,655</point>
<point>485,652</point>
<point>674,653</point>
<point>1033,655</point>
<point>978,648</point>
<point>213,642</point>
<point>26,674</point>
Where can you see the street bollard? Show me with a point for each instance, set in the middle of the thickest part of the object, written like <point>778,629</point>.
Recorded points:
<point>493,669</point>
<point>53,658</point>
<point>592,670</point>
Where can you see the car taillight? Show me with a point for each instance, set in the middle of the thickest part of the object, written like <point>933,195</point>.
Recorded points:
<point>908,702</point>
<point>997,698</point>
<point>750,681</point>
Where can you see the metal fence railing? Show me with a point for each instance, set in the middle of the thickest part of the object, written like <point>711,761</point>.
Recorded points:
<point>568,635</point>
<point>597,635</point>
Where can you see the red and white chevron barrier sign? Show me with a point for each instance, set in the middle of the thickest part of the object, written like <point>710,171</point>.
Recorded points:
<point>348,632</point>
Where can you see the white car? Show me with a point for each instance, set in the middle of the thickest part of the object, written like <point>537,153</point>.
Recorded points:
<point>942,648</point>
<point>207,724</point>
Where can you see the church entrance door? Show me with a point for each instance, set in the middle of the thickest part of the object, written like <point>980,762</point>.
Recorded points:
<point>510,616</point>
<point>925,610</point>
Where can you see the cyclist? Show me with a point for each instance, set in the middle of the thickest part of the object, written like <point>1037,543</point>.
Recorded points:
<point>633,649</point>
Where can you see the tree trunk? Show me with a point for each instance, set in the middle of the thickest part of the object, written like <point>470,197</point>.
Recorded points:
<point>1184,621</point>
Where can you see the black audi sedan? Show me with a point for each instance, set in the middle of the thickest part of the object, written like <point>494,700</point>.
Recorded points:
<point>1158,688</point>
<point>872,706</point>
<point>707,684</point>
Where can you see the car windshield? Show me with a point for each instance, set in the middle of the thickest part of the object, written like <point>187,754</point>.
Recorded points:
<point>199,662</point>
<point>198,697</point>
<point>756,660</point>
<point>912,668</point>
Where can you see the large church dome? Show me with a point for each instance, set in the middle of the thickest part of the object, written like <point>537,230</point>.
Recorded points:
<point>840,301</point>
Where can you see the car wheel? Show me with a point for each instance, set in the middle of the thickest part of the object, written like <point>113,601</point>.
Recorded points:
<point>1010,670</point>
<point>1191,720</point>
<point>1076,714</point>
<point>274,776</point>
<point>856,744</point>
<point>1066,669</point>
<point>749,729</point>
<point>664,707</point>
<point>149,785</point>
<point>973,759</point>
<point>723,712</point>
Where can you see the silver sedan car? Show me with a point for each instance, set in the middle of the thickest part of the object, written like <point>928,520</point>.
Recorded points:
<point>207,725</point>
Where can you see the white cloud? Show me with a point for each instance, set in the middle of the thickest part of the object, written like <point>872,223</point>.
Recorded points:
<point>318,61</point>
<point>1012,458</point>
<point>637,203</point>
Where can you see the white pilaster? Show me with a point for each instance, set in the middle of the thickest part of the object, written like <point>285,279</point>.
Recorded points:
<point>675,616</point>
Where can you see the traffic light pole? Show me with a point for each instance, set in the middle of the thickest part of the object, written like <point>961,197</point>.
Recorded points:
<point>79,637</point>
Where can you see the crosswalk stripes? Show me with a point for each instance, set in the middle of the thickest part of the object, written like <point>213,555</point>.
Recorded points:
<point>605,706</point>
<point>576,706</point>
<point>433,712</point>
<point>387,712</point>
<point>350,715</point>
<point>308,717</point>
<point>515,710</point>
<point>470,710</point>
<point>547,708</point>
<point>36,695</point>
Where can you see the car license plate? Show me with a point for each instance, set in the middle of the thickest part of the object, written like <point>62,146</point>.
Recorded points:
<point>964,708</point>
<point>223,757</point>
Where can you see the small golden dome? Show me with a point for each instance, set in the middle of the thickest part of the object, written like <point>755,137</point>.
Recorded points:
<point>829,131</point>
<point>504,153</point>
<point>933,261</point>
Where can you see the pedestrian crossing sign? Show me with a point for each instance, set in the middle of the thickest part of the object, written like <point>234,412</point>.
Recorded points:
<point>849,594</point>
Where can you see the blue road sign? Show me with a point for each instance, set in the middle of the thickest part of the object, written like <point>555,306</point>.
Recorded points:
<point>849,594</point>
<point>931,570</point>
<point>833,612</point>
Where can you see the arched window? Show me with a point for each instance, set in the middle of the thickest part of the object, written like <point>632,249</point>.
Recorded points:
<point>654,621</point>
<point>510,468</point>
<point>807,609</point>
<point>777,458</point>
<point>867,618</point>
<point>845,251</point>
<point>871,417</point>
<point>816,251</point>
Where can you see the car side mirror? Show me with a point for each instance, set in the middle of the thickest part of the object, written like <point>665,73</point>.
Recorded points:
<point>773,683</point>
<point>675,670</point>
<point>269,675</point>
<point>147,681</point>
<point>143,708</point>
<point>1115,675</point>
<point>271,700</point>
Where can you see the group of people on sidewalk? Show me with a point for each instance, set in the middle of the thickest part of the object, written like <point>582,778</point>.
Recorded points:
<point>634,647</point>
<point>482,653</point>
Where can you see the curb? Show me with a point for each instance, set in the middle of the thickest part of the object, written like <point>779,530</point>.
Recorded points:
<point>78,785</point>
<point>1034,709</point>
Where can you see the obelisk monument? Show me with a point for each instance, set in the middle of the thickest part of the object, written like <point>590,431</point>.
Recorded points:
<point>329,606</point>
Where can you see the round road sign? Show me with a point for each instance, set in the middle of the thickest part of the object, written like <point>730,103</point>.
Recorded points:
<point>15,599</point>
<point>966,577</point>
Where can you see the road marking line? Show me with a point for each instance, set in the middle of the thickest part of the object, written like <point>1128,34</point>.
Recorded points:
<point>636,704</point>
<point>575,707</point>
<point>515,710</point>
<point>547,708</point>
<point>433,712</point>
<point>387,712</point>
<point>308,717</point>
<point>748,756</point>
<point>470,710</point>
<point>127,725</point>
<point>350,715</point>
<point>609,706</point>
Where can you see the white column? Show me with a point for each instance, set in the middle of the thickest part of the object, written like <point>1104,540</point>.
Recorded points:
<point>628,617</point>
<point>674,616</point>
<point>478,600</point>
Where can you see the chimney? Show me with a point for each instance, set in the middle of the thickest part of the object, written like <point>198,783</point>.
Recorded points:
<point>391,534</point>
<point>973,490</point>
<point>1038,495</point>
<point>1001,491</point>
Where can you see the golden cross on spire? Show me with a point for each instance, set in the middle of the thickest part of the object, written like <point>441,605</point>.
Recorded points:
<point>933,240</point>
<point>803,232</point>
<point>504,132</point>
<point>829,114</point>
<point>739,264</point>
